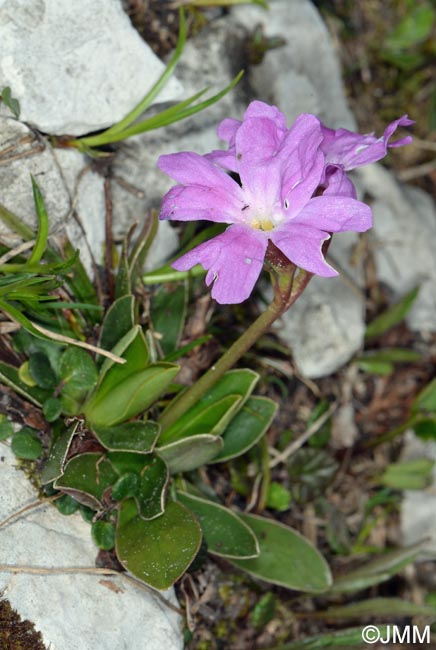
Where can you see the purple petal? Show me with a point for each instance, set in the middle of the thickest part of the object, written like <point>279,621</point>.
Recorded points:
<point>303,245</point>
<point>225,159</point>
<point>337,183</point>
<point>192,202</point>
<point>335,214</point>
<point>227,130</point>
<point>257,144</point>
<point>300,148</point>
<point>343,147</point>
<point>260,109</point>
<point>234,261</point>
<point>190,168</point>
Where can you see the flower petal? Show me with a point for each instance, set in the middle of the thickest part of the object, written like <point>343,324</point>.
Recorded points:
<point>234,261</point>
<point>192,202</point>
<point>190,168</point>
<point>343,147</point>
<point>336,182</point>
<point>303,245</point>
<point>335,214</point>
<point>225,159</point>
<point>227,130</point>
<point>260,109</point>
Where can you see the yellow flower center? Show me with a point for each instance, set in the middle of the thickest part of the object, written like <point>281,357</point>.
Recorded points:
<point>262,224</point>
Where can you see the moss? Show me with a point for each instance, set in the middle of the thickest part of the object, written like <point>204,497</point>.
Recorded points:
<point>16,634</point>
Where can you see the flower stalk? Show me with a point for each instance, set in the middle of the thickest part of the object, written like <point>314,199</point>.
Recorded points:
<point>288,286</point>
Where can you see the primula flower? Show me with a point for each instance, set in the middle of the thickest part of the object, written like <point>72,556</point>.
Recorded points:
<point>293,191</point>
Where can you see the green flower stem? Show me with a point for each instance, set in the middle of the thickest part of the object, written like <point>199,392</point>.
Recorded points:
<point>286,292</point>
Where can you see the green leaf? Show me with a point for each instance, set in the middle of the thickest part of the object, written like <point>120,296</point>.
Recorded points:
<point>415,27</point>
<point>118,321</point>
<point>153,484</point>
<point>286,558</point>
<point>409,475</point>
<point>42,236</point>
<point>347,639</point>
<point>131,397</point>
<point>9,376</point>
<point>79,375</point>
<point>158,551</point>
<point>392,316</point>
<point>86,477</point>
<point>310,472</point>
<point>168,315</point>
<point>67,505</point>
<point>26,444</point>
<point>322,436</point>
<point>6,428</point>
<point>52,409</point>
<point>380,607</point>
<point>190,453</point>
<point>278,497</point>
<point>129,436</point>
<point>391,355</point>
<point>376,570</point>
<point>134,348</point>
<point>375,367</point>
<point>54,465</point>
<point>426,399</point>
<point>213,412</point>
<point>41,371</point>
<point>247,427</point>
<point>103,534</point>
<point>263,611</point>
<point>126,487</point>
<point>225,533</point>
<point>123,280</point>
<point>9,101</point>
<point>425,428</point>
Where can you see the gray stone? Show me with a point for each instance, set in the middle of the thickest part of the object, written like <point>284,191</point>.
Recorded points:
<point>73,611</point>
<point>418,521</point>
<point>75,67</point>
<point>304,74</point>
<point>403,240</point>
<point>22,153</point>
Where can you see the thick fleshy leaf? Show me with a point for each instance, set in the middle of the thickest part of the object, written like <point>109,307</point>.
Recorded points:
<point>377,570</point>
<point>286,557</point>
<point>139,437</point>
<point>79,374</point>
<point>189,453</point>
<point>233,383</point>
<point>86,477</point>
<point>134,348</point>
<point>26,444</point>
<point>224,532</point>
<point>55,463</point>
<point>9,376</point>
<point>158,551</point>
<point>247,427</point>
<point>118,321</point>
<point>153,485</point>
<point>168,315</point>
<point>131,397</point>
<point>236,253</point>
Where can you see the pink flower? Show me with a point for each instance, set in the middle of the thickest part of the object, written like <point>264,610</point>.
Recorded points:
<point>280,171</point>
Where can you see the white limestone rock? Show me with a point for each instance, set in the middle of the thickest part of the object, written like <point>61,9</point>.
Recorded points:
<point>75,67</point>
<point>403,239</point>
<point>303,75</point>
<point>23,154</point>
<point>73,611</point>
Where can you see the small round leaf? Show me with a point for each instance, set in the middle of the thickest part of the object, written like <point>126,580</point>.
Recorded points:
<point>6,427</point>
<point>67,505</point>
<point>103,534</point>
<point>52,408</point>
<point>41,371</point>
<point>25,444</point>
<point>126,486</point>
